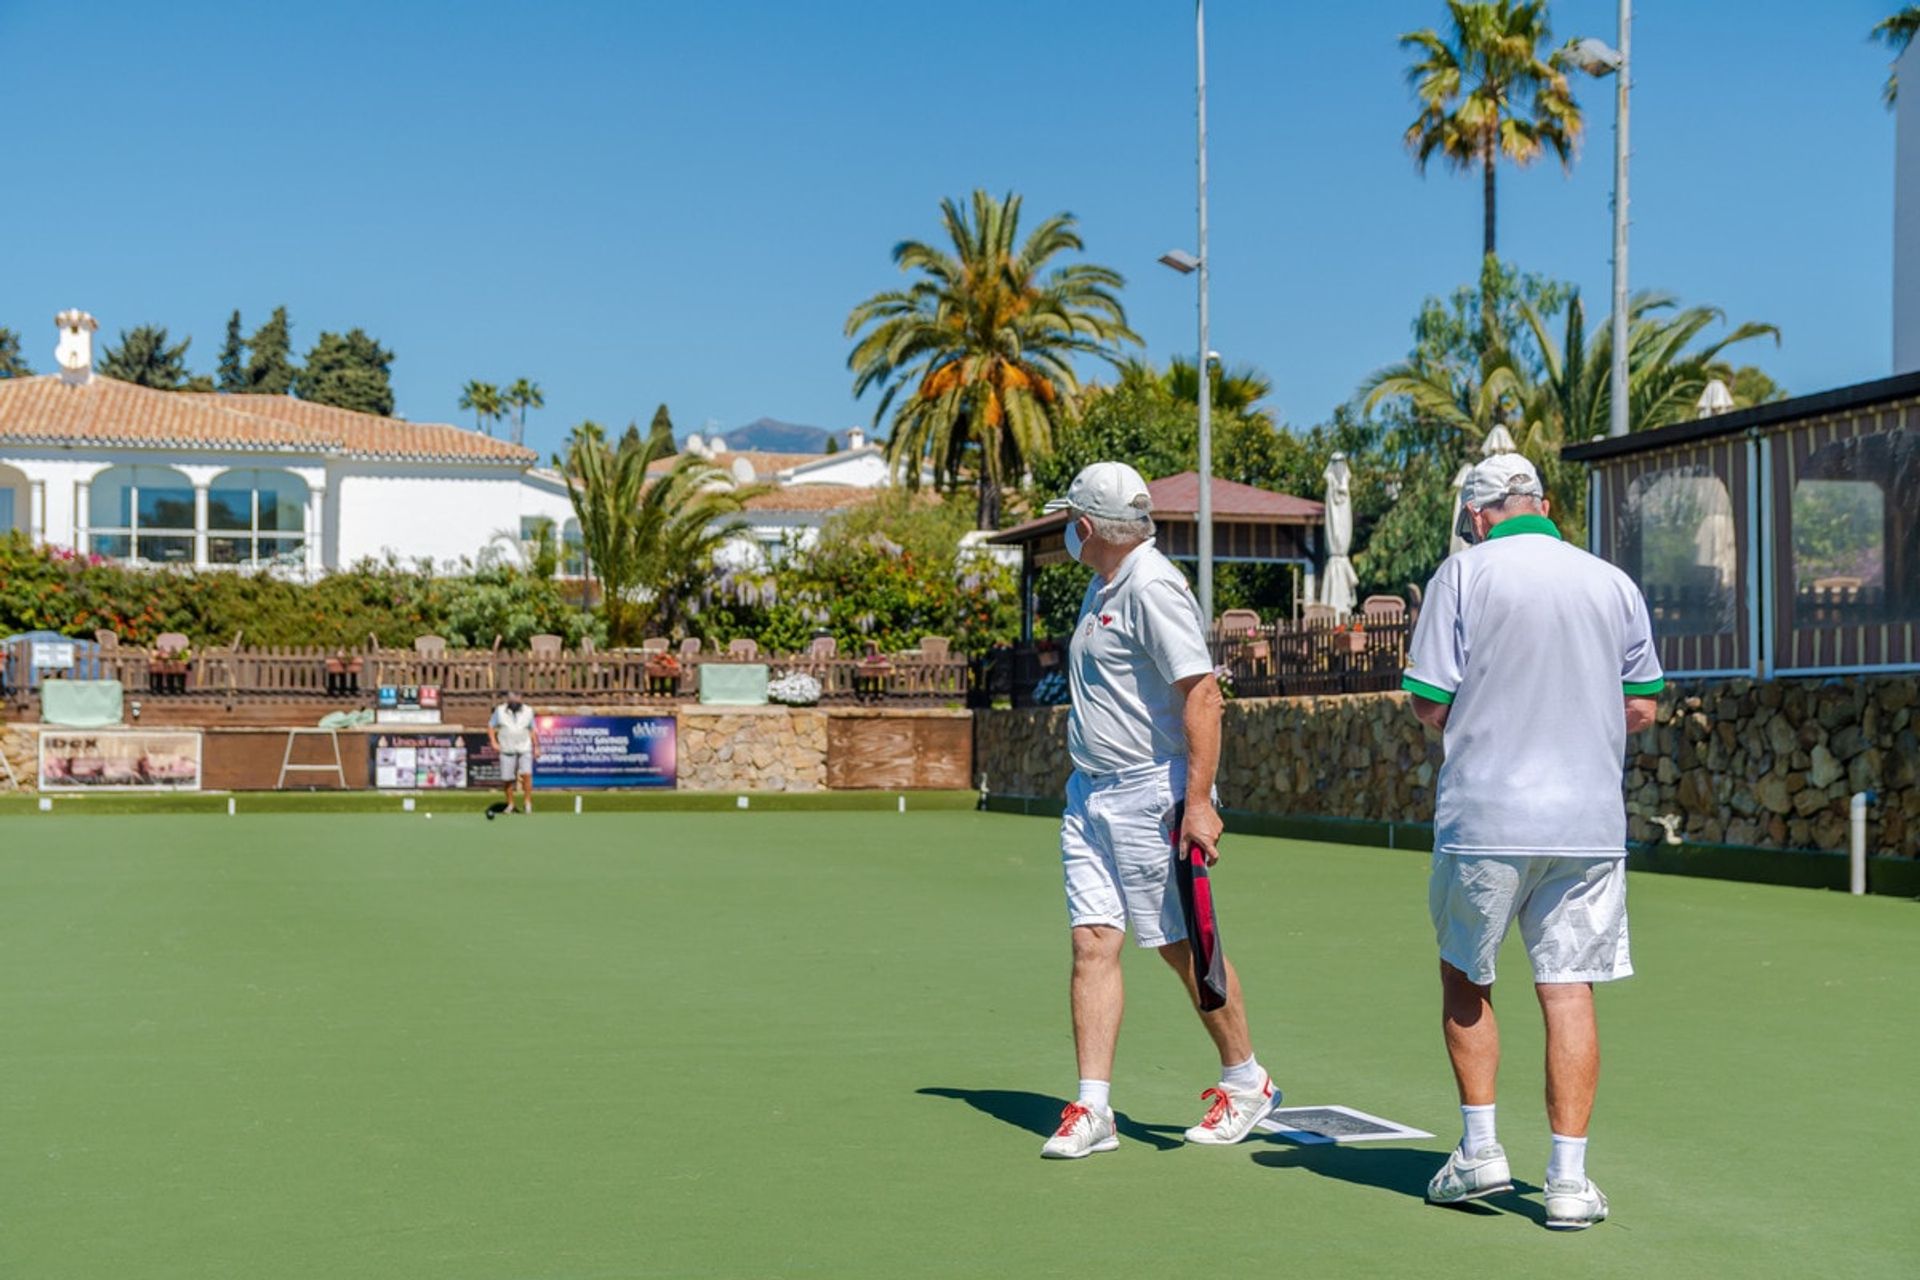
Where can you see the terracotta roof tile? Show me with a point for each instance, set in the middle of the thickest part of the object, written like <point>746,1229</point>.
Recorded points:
<point>1177,497</point>
<point>814,497</point>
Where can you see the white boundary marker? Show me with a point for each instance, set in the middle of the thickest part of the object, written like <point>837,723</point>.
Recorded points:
<point>1390,1130</point>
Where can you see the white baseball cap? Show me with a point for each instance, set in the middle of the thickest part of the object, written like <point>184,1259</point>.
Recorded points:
<point>1109,490</point>
<point>1500,476</point>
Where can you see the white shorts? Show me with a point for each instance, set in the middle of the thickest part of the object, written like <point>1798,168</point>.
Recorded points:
<point>1116,847</point>
<point>516,764</point>
<point>1572,914</point>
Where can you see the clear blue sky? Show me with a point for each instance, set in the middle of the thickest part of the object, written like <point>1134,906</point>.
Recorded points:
<point>636,202</point>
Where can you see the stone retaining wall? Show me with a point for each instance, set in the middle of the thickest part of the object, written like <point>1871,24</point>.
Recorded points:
<point>752,749</point>
<point>1767,763</point>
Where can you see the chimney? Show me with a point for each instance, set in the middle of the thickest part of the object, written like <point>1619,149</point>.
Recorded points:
<point>74,351</point>
<point>856,438</point>
<point>1906,216</point>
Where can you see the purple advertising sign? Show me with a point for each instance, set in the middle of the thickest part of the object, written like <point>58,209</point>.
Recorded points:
<point>596,752</point>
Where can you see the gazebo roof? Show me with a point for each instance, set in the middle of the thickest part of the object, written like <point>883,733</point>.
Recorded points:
<point>1176,499</point>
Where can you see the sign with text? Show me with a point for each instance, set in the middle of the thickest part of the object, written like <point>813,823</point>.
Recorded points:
<point>53,655</point>
<point>407,704</point>
<point>119,760</point>
<point>582,752</point>
<point>433,761</point>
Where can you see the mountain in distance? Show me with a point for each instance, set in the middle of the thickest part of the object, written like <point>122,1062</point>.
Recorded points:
<point>773,436</point>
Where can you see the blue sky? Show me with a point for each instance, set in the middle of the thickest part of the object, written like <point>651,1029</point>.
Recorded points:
<point>637,202</point>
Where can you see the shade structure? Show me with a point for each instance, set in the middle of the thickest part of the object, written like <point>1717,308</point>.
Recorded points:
<point>1499,440</point>
<point>1339,586</point>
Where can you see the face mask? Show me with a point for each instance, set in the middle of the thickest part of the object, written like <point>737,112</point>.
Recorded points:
<point>1075,543</point>
<point>513,706</point>
<point>1464,527</point>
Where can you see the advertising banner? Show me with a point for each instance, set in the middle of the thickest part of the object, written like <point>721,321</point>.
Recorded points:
<point>119,760</point>
<point>433,761</point>
<point>407,704</point>
<point>582,752</point>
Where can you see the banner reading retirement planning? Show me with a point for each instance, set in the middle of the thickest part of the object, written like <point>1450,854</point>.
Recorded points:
<point>582,752</point>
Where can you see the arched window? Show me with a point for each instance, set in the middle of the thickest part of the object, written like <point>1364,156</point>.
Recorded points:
<point>16,503</point>
<point>256,517</point>
<point>142,513</point>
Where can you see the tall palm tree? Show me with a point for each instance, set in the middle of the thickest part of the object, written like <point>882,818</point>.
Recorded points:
<point>1233,391</point>
<point>483,398</point>
<point>519,397</point>
<point>1486,92</point>
<point>978,351</point>
<point>1896,31</point>
<point>646,536</point>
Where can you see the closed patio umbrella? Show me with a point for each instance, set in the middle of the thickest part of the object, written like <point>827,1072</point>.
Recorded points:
<point>1340,584</point>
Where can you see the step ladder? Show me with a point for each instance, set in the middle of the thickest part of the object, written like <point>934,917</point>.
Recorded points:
<point>287,765</point>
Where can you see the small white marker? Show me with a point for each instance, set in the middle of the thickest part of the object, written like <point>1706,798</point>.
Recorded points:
<point>903,804</point>
<point>46,804</point>
<point>429,815</point>
<point>576,804</point>
<point>229,806</point>
<point>740,802</point>
<point>406,805</point>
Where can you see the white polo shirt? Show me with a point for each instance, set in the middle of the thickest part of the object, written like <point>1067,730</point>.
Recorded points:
<point>513,728</point>
<point>1534,644</point>
<point>1137,635</point>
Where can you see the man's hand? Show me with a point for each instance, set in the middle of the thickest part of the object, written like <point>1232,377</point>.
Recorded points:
<point>1201,825</point>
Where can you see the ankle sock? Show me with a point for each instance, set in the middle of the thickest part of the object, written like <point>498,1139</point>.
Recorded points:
<point>1244,1076</point>
<point>1568,1163</point>
<point>1479,1133</point>
<point>1095,1094</point>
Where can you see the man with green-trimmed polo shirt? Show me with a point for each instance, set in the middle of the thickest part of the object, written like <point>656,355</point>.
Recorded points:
<point>1536,660</point>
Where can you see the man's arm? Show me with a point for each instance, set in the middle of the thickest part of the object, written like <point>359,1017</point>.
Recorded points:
<point>493,738</point>
<point>1201,716</point>
<point>1640,713</point>
<point>1432,714</point>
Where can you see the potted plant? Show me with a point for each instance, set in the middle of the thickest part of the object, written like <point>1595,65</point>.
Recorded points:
<point>871,672</point>
<point>663,673</point>
<point>1352,638</point>
<point>794,689</point>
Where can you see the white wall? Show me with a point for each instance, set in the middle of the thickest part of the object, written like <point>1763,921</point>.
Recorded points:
<point>1906,218</point>
<point>867,469</point>
<point>442,512</point>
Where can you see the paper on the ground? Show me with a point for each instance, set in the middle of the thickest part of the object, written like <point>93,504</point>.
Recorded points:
<point>1309,1125</point>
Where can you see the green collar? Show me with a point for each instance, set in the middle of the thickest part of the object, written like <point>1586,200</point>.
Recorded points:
<point>1524,524</point>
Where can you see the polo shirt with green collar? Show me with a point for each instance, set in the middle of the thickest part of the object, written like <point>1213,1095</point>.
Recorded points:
<point>1534,644</point>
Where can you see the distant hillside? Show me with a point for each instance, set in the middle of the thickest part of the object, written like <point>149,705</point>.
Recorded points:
<point>774,436</point>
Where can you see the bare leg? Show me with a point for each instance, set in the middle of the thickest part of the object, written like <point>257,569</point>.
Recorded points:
<point>1573,1055</point>
<point>1227,1024</point>
<point>1473,1035</point>
<point>1098,998</point>
<point>509,793</point>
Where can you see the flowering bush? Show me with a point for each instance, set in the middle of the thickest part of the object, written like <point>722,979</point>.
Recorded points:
<point>1053,690</point>
<point>1224,674</point>
<point>794,689</point>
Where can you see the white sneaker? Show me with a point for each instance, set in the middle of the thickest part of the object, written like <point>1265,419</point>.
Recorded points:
<point>1464,1178</point>
<point>1082,1132</point>
<point>1232,1113</point>
<point>1574,1206</point>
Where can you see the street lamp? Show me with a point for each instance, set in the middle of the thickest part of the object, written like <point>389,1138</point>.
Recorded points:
<point>1188,264</point>
<point>1597,58</point>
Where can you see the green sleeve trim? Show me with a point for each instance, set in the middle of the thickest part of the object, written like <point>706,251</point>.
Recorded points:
<point>1425,690</point>
<point>1645,688</point>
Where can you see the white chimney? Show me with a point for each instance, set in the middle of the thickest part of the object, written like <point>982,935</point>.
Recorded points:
<point>856,438</point>
<point>1906,216</point>
<point>74,351</point>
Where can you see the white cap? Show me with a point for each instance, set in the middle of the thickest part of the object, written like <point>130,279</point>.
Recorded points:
<point>1109,490</point>
<point>1501,476</point>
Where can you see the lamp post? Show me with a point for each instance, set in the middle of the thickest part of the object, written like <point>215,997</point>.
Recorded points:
<point>1187,264</point>
<point>1597,58</point>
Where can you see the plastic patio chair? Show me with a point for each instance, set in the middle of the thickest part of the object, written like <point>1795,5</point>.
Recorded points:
<point>546,646</point>
<point>743,648</point>
<point>430,646</point>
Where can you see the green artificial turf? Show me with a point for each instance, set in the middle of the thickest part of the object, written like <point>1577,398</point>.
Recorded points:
<point>828,1044</point>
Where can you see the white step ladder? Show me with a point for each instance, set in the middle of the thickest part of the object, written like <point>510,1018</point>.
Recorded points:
<point>287,765</point>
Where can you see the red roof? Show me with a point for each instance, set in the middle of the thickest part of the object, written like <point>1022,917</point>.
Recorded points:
<point>1177,497</point>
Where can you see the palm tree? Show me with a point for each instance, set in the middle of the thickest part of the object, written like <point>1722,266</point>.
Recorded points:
<point>1233,391</point>
<point>978,351</point>
<point>521,396</point>
<point>647,537</point>
<point>1896,32</point>
<point>1485,92</point>
<point>483,398</point>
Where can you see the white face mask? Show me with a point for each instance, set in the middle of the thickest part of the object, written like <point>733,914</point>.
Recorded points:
<point>1075,543</point>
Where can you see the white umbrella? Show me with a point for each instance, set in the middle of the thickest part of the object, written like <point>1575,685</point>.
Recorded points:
<point>1499,440</point>
<point>1341,584</point>
<point>1716,399</point>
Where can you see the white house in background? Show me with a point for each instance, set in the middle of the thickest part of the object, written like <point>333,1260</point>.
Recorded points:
<point>213,480</point>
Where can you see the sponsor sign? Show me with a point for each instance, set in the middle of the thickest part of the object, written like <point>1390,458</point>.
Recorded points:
<point>52,655</point>
<point>119,760</point>
<point>581,752</point>
<point>407,704</point>
<point>433,761</point>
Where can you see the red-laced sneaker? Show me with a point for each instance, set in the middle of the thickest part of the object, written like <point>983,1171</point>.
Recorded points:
<point>1082,1132</point>
<point>1232,1113</point>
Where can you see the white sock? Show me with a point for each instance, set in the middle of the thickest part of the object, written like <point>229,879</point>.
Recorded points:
<point>1479,1133</point>
<point>1568,1163</point>
<point>1244,1076</point>
<point>1095,1094</point>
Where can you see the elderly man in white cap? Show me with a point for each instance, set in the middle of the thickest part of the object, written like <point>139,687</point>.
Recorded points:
<point>1536,660</point>
<point>1144,734</point>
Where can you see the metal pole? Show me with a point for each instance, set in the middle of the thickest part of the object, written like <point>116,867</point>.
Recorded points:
<point>1205,514</point>
<point>1617,422</point>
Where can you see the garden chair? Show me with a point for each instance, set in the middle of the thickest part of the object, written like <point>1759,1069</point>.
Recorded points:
<point>1239,622</point>
<point>823,648</point>
<point>170,644</point>
<point>690,648</point>
<point>1383,609</point>
<point>1316,617</point>
<point>430,646</point>
<point>743,649</point>
<point>935,648</point>
<point>107,639</point>
<point>546,646</point>
<point>656,644</point>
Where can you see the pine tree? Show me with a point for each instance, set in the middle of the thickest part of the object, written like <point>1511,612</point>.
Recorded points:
<point>12,364</point>
<point>663,425</point>
<point>270,370</point>
<point>833,444</point>
<point>233,357</point>
<point>144,359</point>
<point>348,371</point>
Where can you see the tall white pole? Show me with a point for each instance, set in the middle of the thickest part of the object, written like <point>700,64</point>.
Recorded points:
<point>1617,422</point>
<point>1205,514</point>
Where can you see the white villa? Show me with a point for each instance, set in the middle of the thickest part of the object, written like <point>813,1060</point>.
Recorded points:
<point>211,479</point>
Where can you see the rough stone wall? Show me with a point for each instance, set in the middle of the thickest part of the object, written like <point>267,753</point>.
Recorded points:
<point>1767,763</point>
<point>752,748</point>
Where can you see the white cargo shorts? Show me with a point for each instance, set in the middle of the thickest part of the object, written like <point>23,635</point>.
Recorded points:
<point>1116,847</point>
<point>516,764</point>
<point>1572,914</point>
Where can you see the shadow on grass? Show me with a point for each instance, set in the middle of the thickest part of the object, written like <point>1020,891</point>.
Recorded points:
<point>1397,1169</point>
<point>1039,1114</point>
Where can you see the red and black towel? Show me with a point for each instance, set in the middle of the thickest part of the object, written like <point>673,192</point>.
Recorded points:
<point>1203,926</point>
